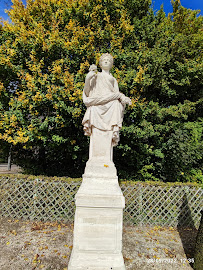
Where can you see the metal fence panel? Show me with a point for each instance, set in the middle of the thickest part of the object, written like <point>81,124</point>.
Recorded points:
<point>145,204</point>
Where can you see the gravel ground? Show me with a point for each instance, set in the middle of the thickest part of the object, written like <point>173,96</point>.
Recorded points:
<point>30,245</point>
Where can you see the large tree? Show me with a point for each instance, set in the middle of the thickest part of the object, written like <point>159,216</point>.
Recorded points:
<point>162,138</point>
<point>44,55</point>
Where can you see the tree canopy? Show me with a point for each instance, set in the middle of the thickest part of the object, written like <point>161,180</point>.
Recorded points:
<point>45,54</point>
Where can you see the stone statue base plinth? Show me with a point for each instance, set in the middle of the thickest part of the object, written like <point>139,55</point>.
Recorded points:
<point>97,243</point>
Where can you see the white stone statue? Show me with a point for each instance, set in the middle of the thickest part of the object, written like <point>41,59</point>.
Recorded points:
<point>97,242</point>
<point>105,108</point>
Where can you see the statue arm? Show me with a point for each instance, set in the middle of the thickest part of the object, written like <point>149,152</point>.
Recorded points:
<point>123,99</point>
<point>87,87</point>
<point>88,81</point>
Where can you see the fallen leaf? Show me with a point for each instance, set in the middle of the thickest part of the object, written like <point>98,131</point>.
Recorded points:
<point>35,228</point>
<point>126,259</point>
<point>166,250</point>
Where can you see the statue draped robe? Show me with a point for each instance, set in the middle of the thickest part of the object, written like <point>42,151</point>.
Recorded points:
<point>104,115</point>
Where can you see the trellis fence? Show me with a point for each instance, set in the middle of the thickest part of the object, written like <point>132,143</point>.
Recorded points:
<point>163,205</point>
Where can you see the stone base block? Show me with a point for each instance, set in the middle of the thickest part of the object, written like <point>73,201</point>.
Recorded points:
<point>94,261</point>
<point>97,241</point>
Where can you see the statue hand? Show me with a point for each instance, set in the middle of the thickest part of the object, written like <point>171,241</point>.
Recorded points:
<point>128,101</point>
<point>125,100</point>
<point>90,75</point>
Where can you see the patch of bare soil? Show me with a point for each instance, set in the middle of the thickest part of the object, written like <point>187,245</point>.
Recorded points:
<point>30,245</point>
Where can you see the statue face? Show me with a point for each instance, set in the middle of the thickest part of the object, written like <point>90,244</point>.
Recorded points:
<point>106,63</point>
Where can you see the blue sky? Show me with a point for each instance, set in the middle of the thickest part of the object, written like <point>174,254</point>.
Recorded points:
<point>192,4</point>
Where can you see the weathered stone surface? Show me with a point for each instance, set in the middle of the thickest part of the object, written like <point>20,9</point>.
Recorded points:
<point>98,223</point>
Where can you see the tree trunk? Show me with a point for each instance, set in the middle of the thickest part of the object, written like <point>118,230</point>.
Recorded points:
<point>9,158</point>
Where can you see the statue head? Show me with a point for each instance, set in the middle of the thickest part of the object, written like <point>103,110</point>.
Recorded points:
<point>106,61</point>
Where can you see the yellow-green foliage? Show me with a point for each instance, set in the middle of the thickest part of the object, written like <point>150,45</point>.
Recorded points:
<point>44,55</point>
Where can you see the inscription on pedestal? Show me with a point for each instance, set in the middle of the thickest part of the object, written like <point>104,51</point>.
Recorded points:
<point>100,234</point>
<point>98,230</point>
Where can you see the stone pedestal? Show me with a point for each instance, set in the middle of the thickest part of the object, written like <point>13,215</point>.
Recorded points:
<point>97,243</point>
